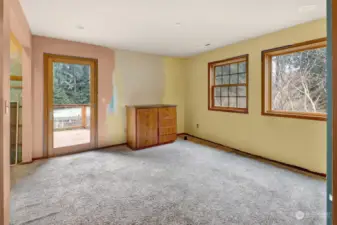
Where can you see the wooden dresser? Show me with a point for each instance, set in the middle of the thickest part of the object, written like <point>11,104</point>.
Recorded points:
<point>151,125</point>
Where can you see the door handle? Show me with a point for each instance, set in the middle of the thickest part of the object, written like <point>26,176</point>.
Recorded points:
<point>6,107</point>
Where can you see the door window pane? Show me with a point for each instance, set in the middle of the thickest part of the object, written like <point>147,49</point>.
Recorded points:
<point>71,97</point>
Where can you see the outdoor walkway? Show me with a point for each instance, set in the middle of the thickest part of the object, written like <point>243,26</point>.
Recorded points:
<point>71,137</point>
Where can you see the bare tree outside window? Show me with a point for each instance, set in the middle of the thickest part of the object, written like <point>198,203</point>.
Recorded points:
<point>299,81</point>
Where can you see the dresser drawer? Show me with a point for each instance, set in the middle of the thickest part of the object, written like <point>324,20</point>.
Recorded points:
<point>167,130</point>
<point>168,122</point>
<point>167,113</point>
<point>146,141</point>
<point>167,138</point>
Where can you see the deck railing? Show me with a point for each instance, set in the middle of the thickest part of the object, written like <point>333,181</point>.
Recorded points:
<point>71,116</point>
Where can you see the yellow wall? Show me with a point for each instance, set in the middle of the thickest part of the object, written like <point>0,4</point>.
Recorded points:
<point>174,91</point>
<point>141,78</point>
<point>293,141</point>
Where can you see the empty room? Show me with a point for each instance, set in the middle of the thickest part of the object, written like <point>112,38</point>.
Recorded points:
<point>165,112</point>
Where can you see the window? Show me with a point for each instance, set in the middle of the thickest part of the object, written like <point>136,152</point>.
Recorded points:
<point>228,85</point>
<point>294,81</point>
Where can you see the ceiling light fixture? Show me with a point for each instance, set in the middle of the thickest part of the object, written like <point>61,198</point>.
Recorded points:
<point>80,27</point>
<point>307,8</point>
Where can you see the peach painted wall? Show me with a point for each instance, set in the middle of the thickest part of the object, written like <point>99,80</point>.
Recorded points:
<point>4,117</point>
<point>20,29</point>
<point>12,19</point>
<point>105,58</point>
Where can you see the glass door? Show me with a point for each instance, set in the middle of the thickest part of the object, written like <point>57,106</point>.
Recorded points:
<point>71,106</point>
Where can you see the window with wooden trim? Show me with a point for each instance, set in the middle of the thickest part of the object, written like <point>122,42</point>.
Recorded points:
<point>228,85</point>
<point>294,81</point>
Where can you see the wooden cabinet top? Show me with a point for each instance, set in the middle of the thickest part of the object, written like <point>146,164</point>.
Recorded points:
<point>150,106</point>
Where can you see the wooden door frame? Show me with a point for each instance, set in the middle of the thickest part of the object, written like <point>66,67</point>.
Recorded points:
<point>48,103</point>
<point>332,138</point>
<point>4,111</point>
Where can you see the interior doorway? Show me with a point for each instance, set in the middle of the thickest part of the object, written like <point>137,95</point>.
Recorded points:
<point>15,101</point>
<point>70,106</point>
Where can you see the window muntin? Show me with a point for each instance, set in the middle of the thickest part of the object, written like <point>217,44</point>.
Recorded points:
<point>228,87</point>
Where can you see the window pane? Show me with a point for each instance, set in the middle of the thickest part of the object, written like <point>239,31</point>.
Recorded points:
<point>226,70</point>
<point>242,78</point>
<point>225,79</point>
<point>242,102</point>
<point>299,81</point>
<point>224,91</point>
<point>232,102</point>
<point>224,101</point>
<point>242,67</point>
<point>218,80</point>
<point>242,91</point>
<point>71,99</point>
<point>217,91</point>
<point>234,79</point>
<point>232,91</point>
<point>234,68</point>
<point>218,71</point>
<point>217,101</point>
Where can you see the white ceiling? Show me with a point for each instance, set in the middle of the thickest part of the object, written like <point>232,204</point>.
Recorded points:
<point>150,25</point>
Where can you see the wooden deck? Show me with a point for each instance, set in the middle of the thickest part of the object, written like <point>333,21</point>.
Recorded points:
<point>71,137</point>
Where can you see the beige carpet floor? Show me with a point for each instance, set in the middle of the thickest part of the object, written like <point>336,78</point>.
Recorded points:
<point>180,183</point>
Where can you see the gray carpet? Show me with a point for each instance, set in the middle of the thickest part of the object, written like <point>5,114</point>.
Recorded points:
<point>180,183</point>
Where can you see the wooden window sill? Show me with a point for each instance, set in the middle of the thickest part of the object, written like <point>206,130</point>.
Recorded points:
<point>308,116</point>
<point>233,110</point>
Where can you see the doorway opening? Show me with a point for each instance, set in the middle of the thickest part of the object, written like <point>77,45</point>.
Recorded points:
<point>15,101</point>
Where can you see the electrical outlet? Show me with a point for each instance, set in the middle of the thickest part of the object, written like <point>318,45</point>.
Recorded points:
<point>197,125</point>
